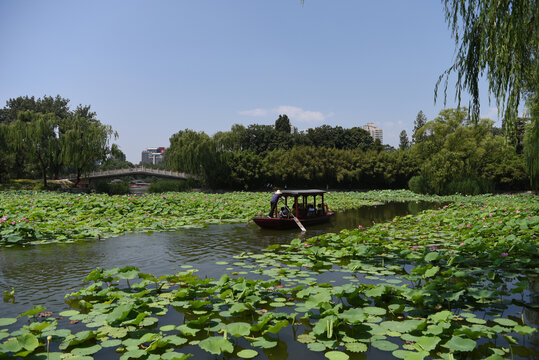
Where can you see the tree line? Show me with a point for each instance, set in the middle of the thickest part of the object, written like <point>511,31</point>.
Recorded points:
<point>45,138</point>
<point>442,152</point>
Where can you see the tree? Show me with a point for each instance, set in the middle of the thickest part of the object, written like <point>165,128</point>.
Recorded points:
<point>498,38</point>
<point>282,124</point>
<point>419,122</point>
<point>35,133</point>
<point>404,142</point>
<point>85,141</point>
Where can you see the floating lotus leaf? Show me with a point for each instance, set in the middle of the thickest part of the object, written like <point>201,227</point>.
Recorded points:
<point>89,350</point>
<point>356,347</point>
<point>316,346</point>
<point>505,322</point>
<point>247,354</point>
<point>216,345</point>
<point>457,343</point>
<point>336,355</point>
<point>384,345</point>
<point>175,356</point>
<point>7,321</point>
<point>264,343</point>
<point>238,329</point>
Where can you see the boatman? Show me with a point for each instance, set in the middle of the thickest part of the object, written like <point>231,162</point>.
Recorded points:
<point>274,200</point>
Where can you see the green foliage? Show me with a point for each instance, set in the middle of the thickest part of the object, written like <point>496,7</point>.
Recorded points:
<point>106,187</point>
<point>169,186</point>
<point>420,185</point>
<point>498,39</point>
<point>458,155</point>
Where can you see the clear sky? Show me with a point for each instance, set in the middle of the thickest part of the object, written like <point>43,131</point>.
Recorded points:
<point>152,68</point>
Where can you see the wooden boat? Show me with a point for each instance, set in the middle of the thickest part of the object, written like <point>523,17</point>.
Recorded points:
<point>302,206</point>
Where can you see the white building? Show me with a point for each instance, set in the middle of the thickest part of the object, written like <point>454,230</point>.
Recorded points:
<point>375,132</point>
<point>154,155</point>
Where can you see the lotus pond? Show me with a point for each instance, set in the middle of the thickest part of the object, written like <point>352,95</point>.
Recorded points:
<point>455,282</point>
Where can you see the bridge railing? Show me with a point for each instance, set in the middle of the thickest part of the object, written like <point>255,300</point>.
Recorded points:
<point>134,170</point>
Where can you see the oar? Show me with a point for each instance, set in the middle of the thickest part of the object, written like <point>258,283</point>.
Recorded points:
<point>296,220</point>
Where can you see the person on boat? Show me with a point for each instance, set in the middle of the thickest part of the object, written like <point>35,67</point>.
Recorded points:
<point>284,213</point>
<point>274,200</point>
<point>310,210</point>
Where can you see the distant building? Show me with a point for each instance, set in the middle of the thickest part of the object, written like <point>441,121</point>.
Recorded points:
<point>375,132</point>
<point>153,155</point>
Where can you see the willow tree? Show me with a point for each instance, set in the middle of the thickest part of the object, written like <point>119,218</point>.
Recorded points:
<point>198,154</point>
<point>36,134</point>
<point>499,39</point>
<point>85,141</point>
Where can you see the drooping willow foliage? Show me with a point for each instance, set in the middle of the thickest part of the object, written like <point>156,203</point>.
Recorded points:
<point>499,39</point>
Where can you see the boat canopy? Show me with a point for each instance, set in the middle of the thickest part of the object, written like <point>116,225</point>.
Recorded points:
<point>309,192</point>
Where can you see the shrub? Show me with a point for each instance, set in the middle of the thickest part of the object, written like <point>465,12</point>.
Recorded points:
<point>469,186</point>
<point>111,189</point>
<point>420,184</point>
<point>169,186</point>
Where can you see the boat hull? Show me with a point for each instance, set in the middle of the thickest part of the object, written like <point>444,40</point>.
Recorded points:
<point>283,223</point>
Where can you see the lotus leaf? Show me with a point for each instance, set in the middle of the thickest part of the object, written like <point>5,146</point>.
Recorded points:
<point>457,343</point>
<point>216,345</point>
<point>247,354</point>
<point>336,355</point>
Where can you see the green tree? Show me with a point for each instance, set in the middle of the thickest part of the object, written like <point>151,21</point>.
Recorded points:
<point>404,143</point>
<point>282,124</point>
<point>198,154</point>
<point>85,141</point>
<point>498,38</point>
<point>419,122</point>
<point>35,133</point>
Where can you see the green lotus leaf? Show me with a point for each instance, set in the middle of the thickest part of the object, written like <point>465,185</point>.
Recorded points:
<point>216,345</point>
<point>166,328</point>
<point>444,315</point>
<point>409,355</point>
<point>111,343</point>
<point>524,329</point>
<point>133,354</point>
<point>433,255</point>
<point>175,340</point>
<point>353,315</point>
<point>427,343</point>
<point>457,343</point>
<point>187,330</point>
<point>82,351</point>
<point>356,347</point>
<point>264,343</point>
<point>316,346</point>
<point>384,345</point>
<point>69,313</point>
<point>505,322</point>
<point>431,272</point>
<point>7,321</point>
<point>373,310</point>
<point>12,345</point>
<point>316,299</point>
<point>28,341</point>
<point>247,354</point>
<point>238,308</point>
<point>175,356</point>
<point>336,355</point>
<point>119,313</point>
<point>274,329</point>
<point>238,329</point>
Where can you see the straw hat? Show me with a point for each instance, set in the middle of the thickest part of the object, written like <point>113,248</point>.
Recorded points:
<point>278,192</point>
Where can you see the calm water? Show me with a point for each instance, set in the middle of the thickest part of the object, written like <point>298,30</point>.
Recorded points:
<point>44,274</point>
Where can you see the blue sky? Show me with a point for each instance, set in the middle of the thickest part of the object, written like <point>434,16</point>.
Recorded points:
<point>152,68</point>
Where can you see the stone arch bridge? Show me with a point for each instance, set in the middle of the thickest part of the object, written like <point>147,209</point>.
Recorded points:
<point>139,170</point>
